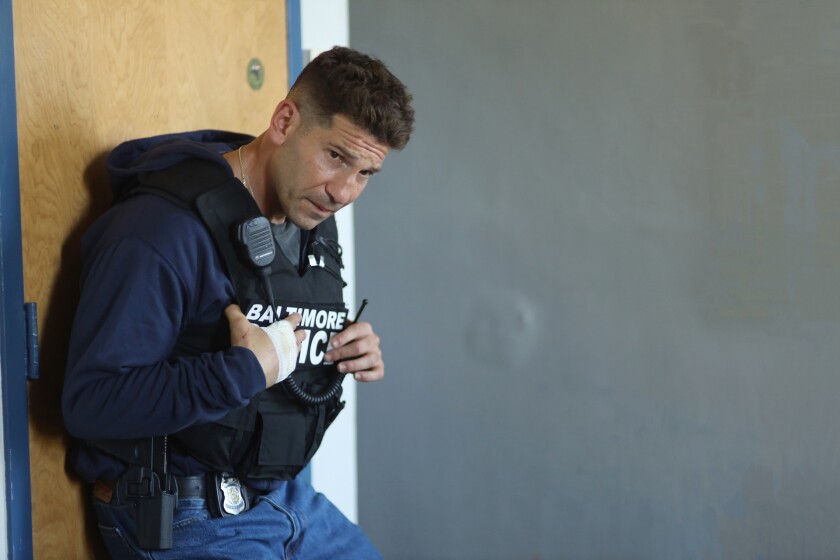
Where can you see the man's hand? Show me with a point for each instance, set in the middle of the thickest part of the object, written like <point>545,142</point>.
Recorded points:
<point>359,346</point>
<point>250,336</point>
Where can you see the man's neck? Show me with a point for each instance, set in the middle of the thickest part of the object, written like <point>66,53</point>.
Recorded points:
<point>249,165</point>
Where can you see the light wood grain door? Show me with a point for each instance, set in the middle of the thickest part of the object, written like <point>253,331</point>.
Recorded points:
<point>90,74</point>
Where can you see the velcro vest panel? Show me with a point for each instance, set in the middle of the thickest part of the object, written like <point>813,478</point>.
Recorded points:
<point>274,436</point>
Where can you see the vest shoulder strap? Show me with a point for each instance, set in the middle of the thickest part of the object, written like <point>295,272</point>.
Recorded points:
<point>184,182</point>
<point>209,190</point>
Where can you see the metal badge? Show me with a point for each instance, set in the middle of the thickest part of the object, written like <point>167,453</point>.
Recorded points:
<point>232,491</point>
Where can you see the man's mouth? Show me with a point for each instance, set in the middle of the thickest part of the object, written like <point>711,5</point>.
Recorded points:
<point>321,209</point>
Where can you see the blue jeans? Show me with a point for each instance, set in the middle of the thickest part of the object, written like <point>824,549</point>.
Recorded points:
<point>293,521</point>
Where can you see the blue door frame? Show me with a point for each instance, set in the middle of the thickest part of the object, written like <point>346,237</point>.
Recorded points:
<point>12,326</point>
<point>12,341</point>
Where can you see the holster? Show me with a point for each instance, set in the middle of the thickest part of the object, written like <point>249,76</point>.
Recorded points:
<point>154,513</point>
<point>151,492</point>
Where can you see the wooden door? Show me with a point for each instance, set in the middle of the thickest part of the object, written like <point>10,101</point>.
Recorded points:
<point>90,74</point>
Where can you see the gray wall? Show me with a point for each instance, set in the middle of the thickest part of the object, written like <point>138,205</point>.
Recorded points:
<point>606,272</point>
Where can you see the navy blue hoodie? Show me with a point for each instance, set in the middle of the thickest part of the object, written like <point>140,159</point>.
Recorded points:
<point>150,269</point>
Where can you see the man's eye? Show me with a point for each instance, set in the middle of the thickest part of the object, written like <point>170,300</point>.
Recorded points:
<point>334,154</point>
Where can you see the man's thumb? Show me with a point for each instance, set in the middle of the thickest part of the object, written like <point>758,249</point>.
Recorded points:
<point>232,312</point>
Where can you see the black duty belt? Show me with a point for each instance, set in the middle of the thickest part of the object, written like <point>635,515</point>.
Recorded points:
<point>221,495</point>
<point>191,486</point>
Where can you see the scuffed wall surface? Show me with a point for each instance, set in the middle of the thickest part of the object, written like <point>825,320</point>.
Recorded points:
<point>607,275</point>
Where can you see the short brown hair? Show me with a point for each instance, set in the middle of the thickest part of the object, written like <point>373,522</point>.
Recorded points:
<point>346,82</point>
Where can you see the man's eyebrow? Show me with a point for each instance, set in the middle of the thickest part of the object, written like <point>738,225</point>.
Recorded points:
<point>352,156</point>
<point>345,152</point>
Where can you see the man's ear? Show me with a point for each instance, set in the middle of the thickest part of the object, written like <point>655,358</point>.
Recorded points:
<point>284,121</point>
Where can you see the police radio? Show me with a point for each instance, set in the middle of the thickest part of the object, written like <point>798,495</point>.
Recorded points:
<point>257,240</point>
<point>255,237</point>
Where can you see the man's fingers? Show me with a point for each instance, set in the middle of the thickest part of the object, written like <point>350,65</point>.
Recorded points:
<point>361,363</point>
<point>357,350</point>
<point>370,375</point>
<point>351,333</point>
<point>368,345</point>
<point>294,320</point>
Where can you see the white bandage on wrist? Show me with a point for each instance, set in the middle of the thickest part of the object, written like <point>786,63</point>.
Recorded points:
<point>285,344</point>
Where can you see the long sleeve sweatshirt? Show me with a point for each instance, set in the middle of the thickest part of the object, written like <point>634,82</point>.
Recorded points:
<point>150,270</point>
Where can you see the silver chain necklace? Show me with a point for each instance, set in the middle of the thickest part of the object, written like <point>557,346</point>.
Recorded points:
<point>244,173</point>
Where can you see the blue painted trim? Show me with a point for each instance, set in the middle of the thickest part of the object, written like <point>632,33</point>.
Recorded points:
<point>12,325</point>
<point>294,39</point>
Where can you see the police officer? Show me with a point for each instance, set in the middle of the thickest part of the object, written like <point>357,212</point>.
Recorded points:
<point>186,420</point>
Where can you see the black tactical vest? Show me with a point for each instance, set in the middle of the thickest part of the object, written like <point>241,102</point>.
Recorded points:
<point>276,435</point>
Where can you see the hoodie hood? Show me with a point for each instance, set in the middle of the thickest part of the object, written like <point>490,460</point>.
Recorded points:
<point>131,158</point>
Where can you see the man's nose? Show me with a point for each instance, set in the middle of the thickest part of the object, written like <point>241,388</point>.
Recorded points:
<point>342,190</point>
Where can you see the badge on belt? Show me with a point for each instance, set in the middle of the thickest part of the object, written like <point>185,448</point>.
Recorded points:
<point>230,498</point>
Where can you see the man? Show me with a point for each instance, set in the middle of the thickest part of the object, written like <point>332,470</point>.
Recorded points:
<point>161,345</point>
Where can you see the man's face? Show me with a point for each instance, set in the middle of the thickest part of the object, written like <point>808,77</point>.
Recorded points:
<point>320,170</point>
